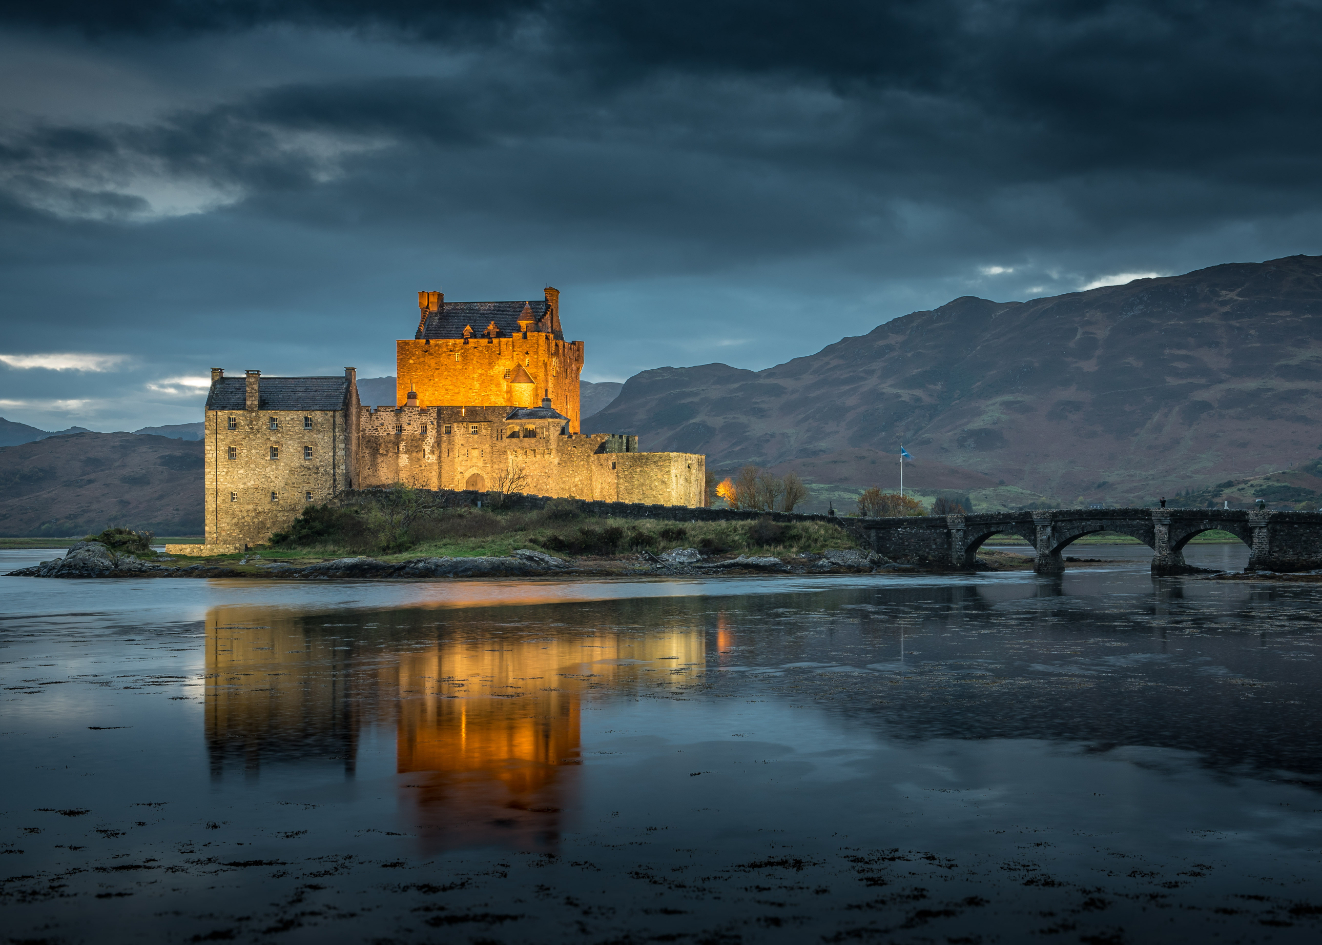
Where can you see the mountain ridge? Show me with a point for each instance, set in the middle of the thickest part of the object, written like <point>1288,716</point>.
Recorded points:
<point>1112,394</point>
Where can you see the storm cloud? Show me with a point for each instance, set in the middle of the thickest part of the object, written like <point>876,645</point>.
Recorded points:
<point>266,185</point>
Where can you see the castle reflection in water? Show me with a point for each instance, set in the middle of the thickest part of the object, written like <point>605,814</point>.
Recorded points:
<point>486,717</point>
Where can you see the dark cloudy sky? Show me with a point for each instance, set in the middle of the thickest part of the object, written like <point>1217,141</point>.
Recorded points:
<point>265,184</point>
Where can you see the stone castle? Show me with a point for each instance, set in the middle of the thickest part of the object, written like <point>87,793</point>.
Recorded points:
<point>487,400</point>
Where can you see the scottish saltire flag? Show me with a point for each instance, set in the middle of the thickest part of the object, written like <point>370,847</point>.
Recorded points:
<point>904,454</point>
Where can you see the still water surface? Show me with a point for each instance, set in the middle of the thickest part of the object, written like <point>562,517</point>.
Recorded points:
<point>992,758</point>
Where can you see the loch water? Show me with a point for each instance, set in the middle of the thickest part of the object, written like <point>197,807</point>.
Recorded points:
<point>1097,757</point>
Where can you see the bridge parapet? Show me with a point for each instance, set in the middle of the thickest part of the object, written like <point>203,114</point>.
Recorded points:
<point>1278,541</point>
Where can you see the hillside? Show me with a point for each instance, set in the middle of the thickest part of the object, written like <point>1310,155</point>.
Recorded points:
<point>177,431</point>
<point>1114,395</point>
<point>76,484</point>
<point>596,397</point>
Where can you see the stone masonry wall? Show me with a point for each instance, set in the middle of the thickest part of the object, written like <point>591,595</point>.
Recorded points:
<point>437,448</point>
<point>398,445</point>
<point>313,459</point>
<point>481,371</point>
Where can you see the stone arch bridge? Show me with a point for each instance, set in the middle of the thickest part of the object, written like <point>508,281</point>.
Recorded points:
<point>1277,541</point>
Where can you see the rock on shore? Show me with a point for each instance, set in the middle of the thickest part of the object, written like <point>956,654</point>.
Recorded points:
<point>90,559</point>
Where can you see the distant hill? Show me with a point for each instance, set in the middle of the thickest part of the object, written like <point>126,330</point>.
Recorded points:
<point>376,391</point>
<point>1116,395</point>
<point>596,397</point>
<point>70,486</point>
<point>177,431</point>
<point>14,434</point>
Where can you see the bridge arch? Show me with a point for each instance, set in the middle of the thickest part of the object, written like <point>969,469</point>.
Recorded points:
<point>1065,534</point>
<point>1181,535</point>
<point>975,536</point>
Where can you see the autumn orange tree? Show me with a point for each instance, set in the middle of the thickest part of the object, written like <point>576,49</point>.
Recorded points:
<point>756,490</point>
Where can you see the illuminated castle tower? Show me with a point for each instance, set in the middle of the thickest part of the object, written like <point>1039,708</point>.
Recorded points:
<point>490,354</point>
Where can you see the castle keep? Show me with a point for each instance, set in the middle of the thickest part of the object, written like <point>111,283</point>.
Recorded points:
<point>487,400</point>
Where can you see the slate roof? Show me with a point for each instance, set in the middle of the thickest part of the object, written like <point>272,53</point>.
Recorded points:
<point>450,321</point>
<point>281,393</point>
<point>535,413</point>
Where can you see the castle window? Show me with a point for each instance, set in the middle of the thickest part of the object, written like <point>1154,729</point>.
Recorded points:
<point>529,432</point>
<point>447,429</point>
<point>233,452</point>
<point>275,452</point>
<point>234,497</point>
<point>307,423</point>
<point>275,423</point>
<point>424,429</point>
<point>307,496</point>
<point>233,423</point>
<point>275,497</point>
<point>513,434</point>
<point>307,452</point>
<point>472,431</point>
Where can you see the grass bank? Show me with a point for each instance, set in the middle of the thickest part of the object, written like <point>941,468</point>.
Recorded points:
<point>560,529</point>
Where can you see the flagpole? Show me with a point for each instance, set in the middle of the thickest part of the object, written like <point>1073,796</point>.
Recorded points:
<point>901,472</point>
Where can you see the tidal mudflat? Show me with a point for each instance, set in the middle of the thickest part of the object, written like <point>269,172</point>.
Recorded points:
<point>1101,757</point>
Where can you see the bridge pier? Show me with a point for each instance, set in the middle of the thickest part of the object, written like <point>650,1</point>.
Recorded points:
<point>1048,559</point>
<point>1165,560</point>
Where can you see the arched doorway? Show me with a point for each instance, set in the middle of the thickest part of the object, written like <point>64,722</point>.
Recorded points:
<point>476,483</point>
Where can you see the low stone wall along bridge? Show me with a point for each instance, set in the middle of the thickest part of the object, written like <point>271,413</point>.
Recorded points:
<point>1277,541</point>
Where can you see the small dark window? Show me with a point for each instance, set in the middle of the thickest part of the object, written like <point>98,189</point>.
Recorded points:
<point>307,452</point>
<point>275,497</point>
<point>275,452</point>
<point>233,423</point>
<point>424,429</point>
<point>447,428</point>
<point>307,423</point>
<point>529,433</point>
<point>473,430</point>
<point>307,496</point>
<point>234,497</point>
<point>275,423</point>
<point>233,452</point>
<point>399,428</point>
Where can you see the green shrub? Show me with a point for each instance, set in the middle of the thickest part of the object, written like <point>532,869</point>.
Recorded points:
<point>588,541</point>
<point>766,532</point>
<point>562,510</point>
<point>323,525</point>
<point>124,540</point>
<point>674,533</point>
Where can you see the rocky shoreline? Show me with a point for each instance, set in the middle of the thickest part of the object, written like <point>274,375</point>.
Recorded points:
<point>92,559</point>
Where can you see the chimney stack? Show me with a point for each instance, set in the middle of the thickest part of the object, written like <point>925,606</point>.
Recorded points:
<point>553,303</point>
<point>413,399</point>
<point>217,373</point>
<point>251,400</point>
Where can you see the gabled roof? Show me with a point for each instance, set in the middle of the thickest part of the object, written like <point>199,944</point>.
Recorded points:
<point>281,393</point>
<point>453,317</point>
<point>536,413</point>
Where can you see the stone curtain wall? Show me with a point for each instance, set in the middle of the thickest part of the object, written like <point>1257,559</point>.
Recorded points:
<point>473,371</point>
<point>252,475</point>
<point>392,448</point>
<point>672,478</point>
